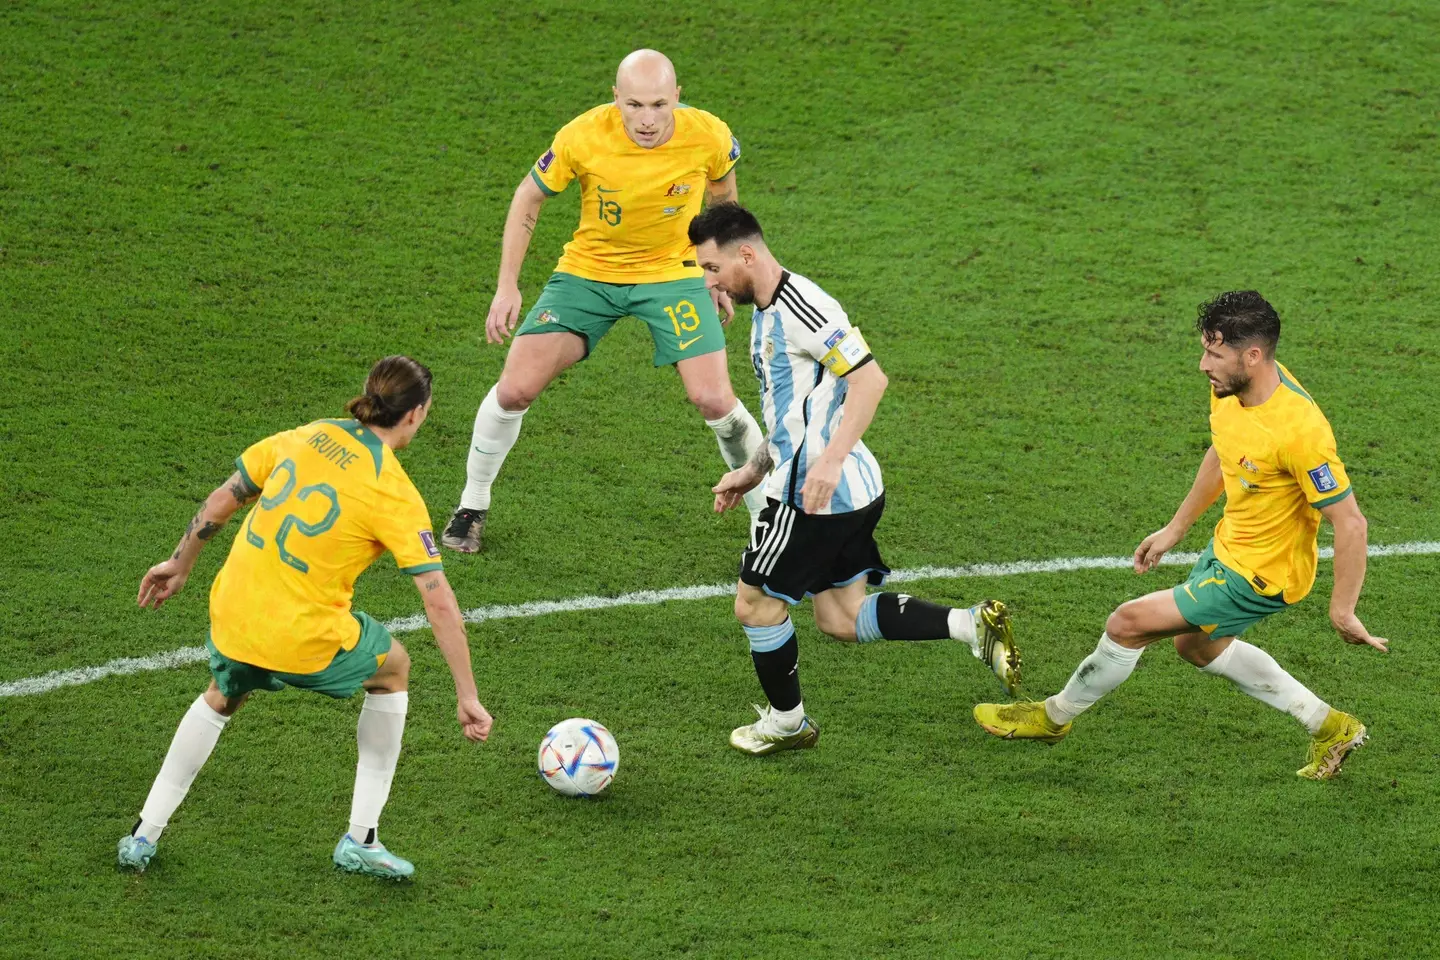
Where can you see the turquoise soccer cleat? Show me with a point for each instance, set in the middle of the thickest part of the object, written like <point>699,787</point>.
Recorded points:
<point>134,853</point>
<point>374,861</point>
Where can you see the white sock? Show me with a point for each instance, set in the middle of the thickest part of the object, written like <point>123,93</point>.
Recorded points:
<point>194,739</point>
<point>962,627</point>
<point>1255,672</point>
<point>377,735</point>
<point>789,720</point>
<point>496,430</point>
<point>739,437</point>
<point>1104,670</point>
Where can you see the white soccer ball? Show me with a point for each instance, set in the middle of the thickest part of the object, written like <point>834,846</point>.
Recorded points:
<point>578,757</point>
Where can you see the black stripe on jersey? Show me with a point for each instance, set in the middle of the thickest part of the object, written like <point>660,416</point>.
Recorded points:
<point>784,279</point>
<point>808,315</point>
<point>804,431</point>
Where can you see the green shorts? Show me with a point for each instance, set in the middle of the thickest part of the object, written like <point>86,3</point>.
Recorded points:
<point>341,679</point>
<point>1220,601</point>
<point>680,313</point>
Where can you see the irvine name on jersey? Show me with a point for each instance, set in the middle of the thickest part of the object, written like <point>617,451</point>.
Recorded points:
<point>800,359</point>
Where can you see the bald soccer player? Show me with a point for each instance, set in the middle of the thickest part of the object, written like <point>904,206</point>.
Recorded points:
<point>645,163</point>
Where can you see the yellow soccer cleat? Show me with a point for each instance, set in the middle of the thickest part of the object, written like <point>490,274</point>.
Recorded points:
<point>1025,720</point>
<point>1332,743</point>
<point>997,643</point>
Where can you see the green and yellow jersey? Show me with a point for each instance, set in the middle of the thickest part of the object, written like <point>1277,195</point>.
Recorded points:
<point>1280,465</point>
<point>636,203</point>
<point>333,499</point>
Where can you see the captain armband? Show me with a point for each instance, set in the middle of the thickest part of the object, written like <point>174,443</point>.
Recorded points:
<point>848,350</point>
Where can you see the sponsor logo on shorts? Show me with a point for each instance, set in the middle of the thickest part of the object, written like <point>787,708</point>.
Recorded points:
<point>546,317</point>
<point>678,190</point>
<point>734,148</point>
<point>686,343</point>
<point>834,338</point>
<point>544,162</point>
<point>428,540</point>
<point>1323,479</point>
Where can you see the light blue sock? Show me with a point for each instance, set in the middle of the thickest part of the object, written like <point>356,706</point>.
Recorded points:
<point>867,624</point>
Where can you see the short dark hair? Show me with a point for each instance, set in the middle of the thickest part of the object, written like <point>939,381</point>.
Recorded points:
<point>1239,318</point>
<point>396,386</point>
<point>725,223</point>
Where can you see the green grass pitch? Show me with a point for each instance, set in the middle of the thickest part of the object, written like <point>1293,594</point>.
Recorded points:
<point>214,217</point>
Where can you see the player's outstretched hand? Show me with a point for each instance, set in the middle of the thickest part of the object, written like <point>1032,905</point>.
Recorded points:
<point>1351,630</point>
<point>161,582</point>
<point>504,313</point>
<point>733,486</point>
<point>723,305</point>
<point>475,720</point>
<point>1153,547</point>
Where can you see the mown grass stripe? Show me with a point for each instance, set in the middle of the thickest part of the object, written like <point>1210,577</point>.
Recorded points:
<point>54,680</point>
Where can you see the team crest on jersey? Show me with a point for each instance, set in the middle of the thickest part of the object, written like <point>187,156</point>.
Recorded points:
<point>546,317</point>
<point>1323,479</point>
<point>428,540</point>
<point>734,148</point>
<point>769,349</point>
<point>1247,464</point>
<point>678,190</point>
<point>544,162</point>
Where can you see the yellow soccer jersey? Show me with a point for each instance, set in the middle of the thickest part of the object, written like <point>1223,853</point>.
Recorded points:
<point>1280,465</point>
<point>636,203</point>
<point>333,498</point>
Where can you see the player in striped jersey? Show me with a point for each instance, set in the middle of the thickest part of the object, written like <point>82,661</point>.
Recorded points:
<point>819,389</point>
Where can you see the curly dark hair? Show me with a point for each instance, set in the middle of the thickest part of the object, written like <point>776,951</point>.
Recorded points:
<point>725,223</point>
<point>1239,318</point>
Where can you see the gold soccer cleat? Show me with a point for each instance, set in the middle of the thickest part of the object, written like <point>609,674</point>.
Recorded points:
<point>1332,743</point>
<point>1025,720</point>
<point>997,643</point>
<point>766,736</point>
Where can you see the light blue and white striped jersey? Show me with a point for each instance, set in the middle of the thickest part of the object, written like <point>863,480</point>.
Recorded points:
<point>798,344</point>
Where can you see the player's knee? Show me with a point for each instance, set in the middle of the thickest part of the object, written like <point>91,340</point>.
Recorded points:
<point>713,402</point>
<point>515,393</point>
<point>1124,624</point>
<point>834,625</point>
<point>221,704</point>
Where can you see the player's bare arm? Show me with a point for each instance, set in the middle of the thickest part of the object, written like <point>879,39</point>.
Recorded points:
<point>862,398</point>
<point>448,625</point>
<point>164,580</point>
<point>519,228</point>
<point>1351,543</point>
<point>734,485</point>
<point>1208,486</point>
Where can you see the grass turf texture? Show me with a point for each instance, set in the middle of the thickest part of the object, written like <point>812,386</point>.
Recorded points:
<point>212,221</point>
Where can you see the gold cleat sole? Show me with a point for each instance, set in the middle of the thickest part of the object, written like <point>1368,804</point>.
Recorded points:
<point>997,645</point>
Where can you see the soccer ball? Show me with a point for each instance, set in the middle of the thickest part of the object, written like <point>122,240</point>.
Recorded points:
<point>578,757</point>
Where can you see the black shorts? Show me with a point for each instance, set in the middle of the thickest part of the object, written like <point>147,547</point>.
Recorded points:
<point>794,555</point>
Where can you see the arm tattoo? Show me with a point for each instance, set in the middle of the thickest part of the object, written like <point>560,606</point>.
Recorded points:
<point>761,461</point>
<point>208,530</point>
<point>432,583</point>
<point>242,491</point>
<point>529,223</point>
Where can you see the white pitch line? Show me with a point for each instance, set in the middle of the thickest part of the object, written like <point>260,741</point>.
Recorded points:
<point>45,682</point>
